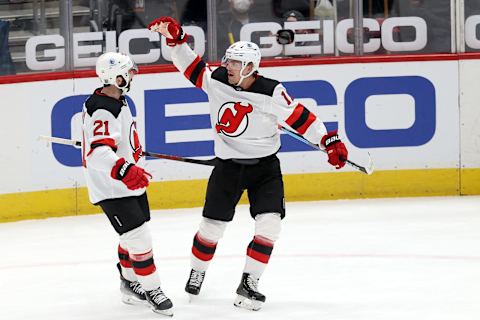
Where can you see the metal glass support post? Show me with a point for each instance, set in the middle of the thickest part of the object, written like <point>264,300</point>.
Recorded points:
<point>66,30</point>
<point>358,26</point>
<point>96,15</point>
<point>335,22</point>
<point>212,29</point>
<point>457,9</point>
<point>36,22</point>
<point>43,20</point>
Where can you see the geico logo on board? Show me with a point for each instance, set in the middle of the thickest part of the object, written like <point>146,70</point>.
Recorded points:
<point>339,35</point>
<point>471,25</point>
<point>410,122</point>
<point>82,52</point>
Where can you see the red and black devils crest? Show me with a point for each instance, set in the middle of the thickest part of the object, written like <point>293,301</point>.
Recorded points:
<point>135,142</point>
<point>233,118</point>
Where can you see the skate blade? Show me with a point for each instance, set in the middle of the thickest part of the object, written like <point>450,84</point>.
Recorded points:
<point>166,312</point>
<point>128,299</point>
<point>245,303</point>
<point>192,298</point>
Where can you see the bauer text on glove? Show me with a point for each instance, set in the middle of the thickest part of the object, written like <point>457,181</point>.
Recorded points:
<point>336,150</point>
<point>131,175</point>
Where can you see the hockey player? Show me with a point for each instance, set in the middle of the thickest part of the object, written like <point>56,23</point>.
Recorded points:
<point>245,109</point>
<point>116,180</point>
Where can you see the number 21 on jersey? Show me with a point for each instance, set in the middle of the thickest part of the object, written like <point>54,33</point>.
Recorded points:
<point>100,128</point>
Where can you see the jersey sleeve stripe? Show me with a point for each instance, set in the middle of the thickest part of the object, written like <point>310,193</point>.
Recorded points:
<point>199,81</point>
<point>197,71</point>
<point>194,70</point>
<point>301,119</point>
<point>189,70</point>
<point>102,142</point>
<point>297,112</point>
<point>311,118</point>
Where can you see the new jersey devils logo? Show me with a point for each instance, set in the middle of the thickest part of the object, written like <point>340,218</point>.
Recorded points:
<point>233,118</point>
<point>135,142</point>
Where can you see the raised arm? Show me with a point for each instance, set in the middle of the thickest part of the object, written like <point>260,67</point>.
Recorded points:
<point>183,57</point>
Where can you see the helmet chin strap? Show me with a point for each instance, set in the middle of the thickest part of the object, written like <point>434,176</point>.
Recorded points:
<point>243,77</point>
<point>125,88</point>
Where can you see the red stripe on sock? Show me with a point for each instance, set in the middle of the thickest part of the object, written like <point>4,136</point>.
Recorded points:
<point>121,250</point>
<point>257,255</point>
<point>263,241</point>
<point>200,255</point>
<point>205,242</point>
<point>125,263</point>
<point>145,271</point>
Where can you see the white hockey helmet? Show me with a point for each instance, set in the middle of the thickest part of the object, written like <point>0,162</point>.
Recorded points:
<point>246,52</point>
<point>111,65</point>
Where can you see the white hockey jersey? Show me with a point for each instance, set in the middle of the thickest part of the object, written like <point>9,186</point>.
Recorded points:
<point>245,122</point>
<point>109,133</point>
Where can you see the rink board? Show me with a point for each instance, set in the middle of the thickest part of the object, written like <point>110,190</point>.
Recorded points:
<point>405,114</point>
<point>298,187</point>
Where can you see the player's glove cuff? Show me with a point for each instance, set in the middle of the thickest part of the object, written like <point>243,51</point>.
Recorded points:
<point>182,37</point>
<point>120,169</point>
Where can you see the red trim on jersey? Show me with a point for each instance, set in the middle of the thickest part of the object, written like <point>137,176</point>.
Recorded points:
<point>84,161</point>
<point>297,112</point>
<point>99,92</point>
<point>257,255</point>
<point>311,118</point>
<point>286,98</point>
<point>191,67</point>
<point>199,82</point>
<point>106,141</point>
<point>109,142</point>
<point>200,255</point>
<point>145,271</point>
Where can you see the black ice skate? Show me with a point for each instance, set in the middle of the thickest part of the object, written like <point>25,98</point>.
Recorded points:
<point>248,295</point>
<point>132,291</point>
<point>159,302</point>
<point>194,283</point>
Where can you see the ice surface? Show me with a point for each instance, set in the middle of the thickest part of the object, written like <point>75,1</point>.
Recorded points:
<point>377,259</point>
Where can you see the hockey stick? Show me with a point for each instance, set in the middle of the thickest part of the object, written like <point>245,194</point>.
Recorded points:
<point>208,162</point>
<point>367,169</point>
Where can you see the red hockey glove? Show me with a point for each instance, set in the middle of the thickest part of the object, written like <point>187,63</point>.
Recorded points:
<point>131,175</point>
<point>170,29</point>
<point>336,151</point>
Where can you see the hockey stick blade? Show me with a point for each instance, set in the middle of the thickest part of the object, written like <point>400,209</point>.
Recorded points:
<point>367,169</point>
<point>60,141</point>
<point>208,162</point>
